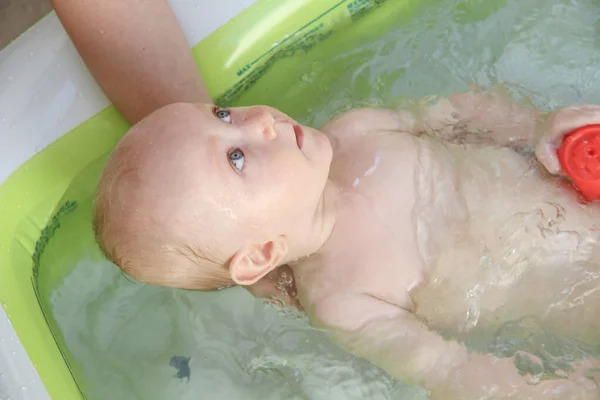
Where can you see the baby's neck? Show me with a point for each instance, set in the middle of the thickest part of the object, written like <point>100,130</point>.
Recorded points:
<point>323,223</point>
<point>327,211</point>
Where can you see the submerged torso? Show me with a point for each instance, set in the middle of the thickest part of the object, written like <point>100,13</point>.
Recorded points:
<point>449,232</point>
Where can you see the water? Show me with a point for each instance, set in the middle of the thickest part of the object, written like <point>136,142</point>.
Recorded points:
<point>546,50</point>
<point>133,341</point>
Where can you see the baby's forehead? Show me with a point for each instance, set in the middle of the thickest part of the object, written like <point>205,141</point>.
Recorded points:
<point>179,143</point>
<point>173,128</point>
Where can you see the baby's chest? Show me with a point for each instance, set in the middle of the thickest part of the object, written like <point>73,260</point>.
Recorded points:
<point>374,248</point>
<point>383,260</point>
<point>374,251</point>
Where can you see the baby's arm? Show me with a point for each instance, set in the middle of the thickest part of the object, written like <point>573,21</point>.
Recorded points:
<point>402,345</point>
<point>136,51</point>
<point>477,117</point>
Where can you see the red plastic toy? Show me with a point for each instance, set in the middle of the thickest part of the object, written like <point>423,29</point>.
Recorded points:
<point>579,157</point>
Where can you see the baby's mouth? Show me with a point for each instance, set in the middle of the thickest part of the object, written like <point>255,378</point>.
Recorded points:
<point>299,135</point>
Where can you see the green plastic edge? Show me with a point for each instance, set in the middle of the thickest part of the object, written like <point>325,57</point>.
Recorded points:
<point>28,198</point>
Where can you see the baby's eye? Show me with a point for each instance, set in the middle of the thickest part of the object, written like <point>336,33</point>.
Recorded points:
<point>223,115</point>
<point>237,159</point>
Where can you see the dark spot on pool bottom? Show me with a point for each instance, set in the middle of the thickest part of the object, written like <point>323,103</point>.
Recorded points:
<point>182,365</point>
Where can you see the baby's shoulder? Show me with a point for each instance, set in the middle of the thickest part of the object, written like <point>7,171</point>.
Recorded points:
<point>351,312</point>
<point>362,121</point>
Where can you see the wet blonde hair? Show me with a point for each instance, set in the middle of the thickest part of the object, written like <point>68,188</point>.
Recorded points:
<point>139,246</point>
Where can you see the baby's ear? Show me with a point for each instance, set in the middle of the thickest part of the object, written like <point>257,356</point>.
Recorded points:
<point>253,261</point>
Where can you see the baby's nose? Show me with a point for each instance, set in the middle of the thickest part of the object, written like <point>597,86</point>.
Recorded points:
<point>262,122</point>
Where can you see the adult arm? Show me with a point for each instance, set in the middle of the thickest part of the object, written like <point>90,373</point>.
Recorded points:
<point>136,51</point>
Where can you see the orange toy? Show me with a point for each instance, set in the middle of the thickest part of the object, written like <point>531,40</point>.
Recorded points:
<point>579,157</point>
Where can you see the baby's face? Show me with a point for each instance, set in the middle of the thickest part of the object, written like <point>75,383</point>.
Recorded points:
<point>239,174</point>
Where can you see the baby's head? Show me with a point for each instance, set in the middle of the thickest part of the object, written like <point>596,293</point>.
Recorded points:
<point>198,197</point>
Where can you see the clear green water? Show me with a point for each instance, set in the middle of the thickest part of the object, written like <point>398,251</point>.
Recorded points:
<point>121,336</point>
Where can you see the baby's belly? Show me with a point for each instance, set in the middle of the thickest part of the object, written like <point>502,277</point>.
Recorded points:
<point>504,227</point>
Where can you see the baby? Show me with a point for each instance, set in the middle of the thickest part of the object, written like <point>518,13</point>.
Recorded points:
<point>397,225</point>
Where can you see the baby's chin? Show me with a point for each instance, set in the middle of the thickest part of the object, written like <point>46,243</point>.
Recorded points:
<point>328,144</point>
<point>323,139</point>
